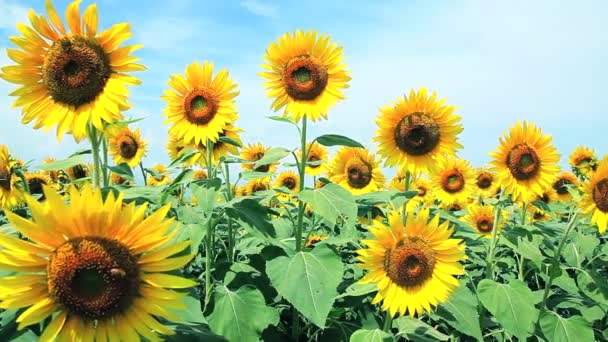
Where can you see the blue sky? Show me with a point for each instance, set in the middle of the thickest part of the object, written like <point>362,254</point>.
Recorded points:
<point>498,62</point>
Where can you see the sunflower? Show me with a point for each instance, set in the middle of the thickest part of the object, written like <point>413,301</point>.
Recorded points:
<point>35,182</point>
<point>417,129</point>
<point>10,196</point>
<point>258,184</point>
<point>356,170</point>
<point>221,148</point>
<point>118,179</point>
<point>200,106</point>
<point>486,185</point>
<point>97,264</point>
<point>71,78</point>
<point>452,180</point>
<point>583,161</point>
<point>595,198</point>
<point>305,74</point>
<point>56,176</point>
<point>538,214</point>
<point>127,147</point>
<point>481,219</point>
<point>79,171</point>
<point>525,162</point>
<point>253,153</point>
<point>564,181</point>
<point>414,264</point>
<point>424,197</point>
<point>199,174</point>
<point>289,180</point>
<point>455,206</point>
<point>163,176</point>
<point>317,155</point>
<point>314,239</point>
<point>176,146</point>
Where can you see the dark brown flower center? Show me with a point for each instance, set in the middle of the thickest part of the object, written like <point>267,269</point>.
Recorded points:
<point>305,78</point>
<point>417,134</point>
<point>262,168</point>
<point>5,176</point>
<point>600,195</point>
<point>259,186</point>
<point>484,180</point>
<point>200,106</point>
<point>422,191</point>
<point>128,146</point>
<point>78,171</point>
<point>75,70</point>
<point>561,186</point>
<point>35,184</point>
<point>313,157</point>
<point>93,277</point>
<point>452,181</point>
<point>523,162</point>
<point>410,264</point>
<point>290,183</point>
<point>358,173</point>
<point>485,224</point>
<point>455,207</point>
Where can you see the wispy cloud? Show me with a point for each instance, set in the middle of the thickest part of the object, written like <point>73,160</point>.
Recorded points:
<point>12,12</point>
<point>260,8</point>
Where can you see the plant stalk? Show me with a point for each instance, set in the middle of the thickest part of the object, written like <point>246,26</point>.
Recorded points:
<point>494,241</point>
<point>143,173</point>
<point>95,151</point>
<point>208,237</point>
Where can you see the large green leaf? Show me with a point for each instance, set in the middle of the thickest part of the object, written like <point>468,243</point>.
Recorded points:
<point>123,170</point>
<point>414,329</point>
<point>581,247</point>
<point>63,164</point>
<point>308,280</point>
<point>254,216</point>
<point>193,312</point>
<point>593,285</point>
<point>511,304</point>
<point>337,140</point>
<point>273,155</point>
<point>330,203</point>
<point>376,335</point>
<point>241,315</point>
<point>358,289</point>
<point>460,311</point>
<point>560,329</point>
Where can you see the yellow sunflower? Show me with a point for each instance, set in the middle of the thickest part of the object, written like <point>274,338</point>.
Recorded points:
<point>127,147</point>
<point>414,264</point>
<point>71,78</point>
<point>486,185</point>
<point>176,146</point>
<point>538,214</point>
<point>424,196</point>
<point>200,106</point>
<point>163,176</point>
<point>56,176</point>
<point>525,162</point>
<point>305,74</point>
<point>595,198</point>
<point>253,153</point>
<point>97,264</point>
<point>10,196</point>
<point>453,180</point>
<point>562,183</point>
<point>417,129</point>
<point>36,181</point>
<point>79,171</point>
<point>258,184</point>
<point>318,155</point>
<point>314,239</point>
<point>357,170</point>
<point>199,174</point>
<point>288,179</point>
<point>118,179</point>
<point>220,148</point>
<point>481,219</point>
<point>583,161</point>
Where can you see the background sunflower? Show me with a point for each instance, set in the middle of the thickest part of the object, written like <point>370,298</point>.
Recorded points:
<point>595,197</point>
<point>127,146</point>
<point>356,170</point>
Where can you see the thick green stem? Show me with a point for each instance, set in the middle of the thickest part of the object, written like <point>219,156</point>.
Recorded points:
<point>104,169</point>
<point>523,214</point>
<point>231,236</point>
<point>208,237</point>
<point>406,188</point>
<point>493,242</point>
<point>388,322</point>
<point>301,170</point>
<point>95,151</point>
<point>556,258</point>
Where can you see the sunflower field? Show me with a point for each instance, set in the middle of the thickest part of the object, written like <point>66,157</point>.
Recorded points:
<point>311,241</point>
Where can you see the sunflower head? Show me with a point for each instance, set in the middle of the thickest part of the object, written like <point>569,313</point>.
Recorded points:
<point>258,184</point>
<point>289,180</point>
<point>452,180</point>
<point>481,219</point>
<point>413,264</point>
<point>525,162</point>
<point>176,146</point>
<point>595,197</point>
<point>563,184</point>
<point>126,146</point>
<point>118,179</point>
<point>79,171</point>
<point>415,130</point>
<point>200,174</point>
<point>583,161</point>
<point>221,148</point>
<point>486,185</point>
<point>253,153</point>
<point>35,182</point>
<point>356,170</point>
<point>305,74</point>
<point>162,177</point>
<point>10,195</point>
<point>199,105</point>
<point>99,268</point>
<point>71,78</point>
<point>316,159</point>
<point>314,239</point>
<point>424,197</point>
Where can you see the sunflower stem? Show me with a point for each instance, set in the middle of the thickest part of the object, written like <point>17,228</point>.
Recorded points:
<point>105,173</point>
<point>523,214</point>
<point>388,322</point>
<point>230,253</point>
<point>95,151</point>
<point>301,170</point>
<point>405,189</point>
<point>494,241</point>
<point>556,258</point>
<point>208,237</point>
<point>143,173</point>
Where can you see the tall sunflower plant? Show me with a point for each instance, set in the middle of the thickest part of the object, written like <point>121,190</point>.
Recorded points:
<point>241,241</point>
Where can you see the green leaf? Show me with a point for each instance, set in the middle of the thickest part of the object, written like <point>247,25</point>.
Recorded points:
<point>376,335</point>
<point>241,315</point>
<point>330,203</point>
<point>358,289</point>
<point>337,140</point>
<point>193,312</point>
<point>281,119</point>
<point>512,304</point>
<point>230,141</point>
<point>593,286</point>
<point>196,232</point>
<point>460,311</point>
<point>308,280</point>
<point>581,247</point>
<point>560,329</point>
<point>249,175</point>
<point>254,215</point>
<point>184,156</point>
<point>542,206</point>
<point>206,197</point>
<point>123,170</point>
<point>414,329</point>
<point>192,333</point>
<point>273,155</point>
<point>63,164</point>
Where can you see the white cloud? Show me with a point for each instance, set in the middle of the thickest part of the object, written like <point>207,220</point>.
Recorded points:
<point>260,8</point>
